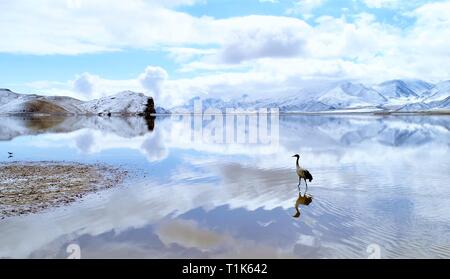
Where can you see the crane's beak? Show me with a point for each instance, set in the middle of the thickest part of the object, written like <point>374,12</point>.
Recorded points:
<point>293,156</point>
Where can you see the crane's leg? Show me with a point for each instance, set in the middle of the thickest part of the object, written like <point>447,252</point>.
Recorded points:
<point>306,186</point>
<point>299,182</point>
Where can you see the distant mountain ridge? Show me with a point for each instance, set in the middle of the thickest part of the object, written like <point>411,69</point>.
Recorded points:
<point>345,96</point>
<point>394,96</point>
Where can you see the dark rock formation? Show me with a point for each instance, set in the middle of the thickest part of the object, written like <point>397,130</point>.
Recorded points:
<point>149,108</point>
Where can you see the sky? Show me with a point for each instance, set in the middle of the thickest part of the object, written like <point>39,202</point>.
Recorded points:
<point>174,50</point>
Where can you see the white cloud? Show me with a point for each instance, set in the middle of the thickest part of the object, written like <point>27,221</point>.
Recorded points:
<point>176,3</point>
<point>433,15</point>
<point>285,39</point>
<point>154,148</point>
<point>231,56</point>
<point>152,80</point>
<point>85,83</point>
<point>305,7</point>
<point>188,233</point>
<point>184,54</point>
<point>42,28</point>
<point>81,26</point>
<point>382,3</point>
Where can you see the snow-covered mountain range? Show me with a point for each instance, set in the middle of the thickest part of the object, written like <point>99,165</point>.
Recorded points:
<point>394,96</point>
<point>123,103</point>
<point>390,96</point>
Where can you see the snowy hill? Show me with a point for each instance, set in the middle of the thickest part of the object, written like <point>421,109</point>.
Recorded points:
<point>309,106</point>
<point>396,89</point>
<point>439,92</point>
<point>7,95</point>
<point>350,95</point>
<point>419,87</point>
<point>123,103</point>
<point>414,107</point>
<point>443,105</point>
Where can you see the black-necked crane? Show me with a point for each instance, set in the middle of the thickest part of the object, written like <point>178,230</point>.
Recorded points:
<point>302,174</point>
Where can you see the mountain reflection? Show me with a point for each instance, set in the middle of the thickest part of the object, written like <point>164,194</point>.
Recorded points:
<point>14,126</point>
<point>310,130</point>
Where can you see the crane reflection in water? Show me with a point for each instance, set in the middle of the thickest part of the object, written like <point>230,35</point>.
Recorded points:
<point>302,199</point>
<point>305,175</point>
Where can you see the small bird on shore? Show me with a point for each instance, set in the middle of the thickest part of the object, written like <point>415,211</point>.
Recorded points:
<point>302,174</point>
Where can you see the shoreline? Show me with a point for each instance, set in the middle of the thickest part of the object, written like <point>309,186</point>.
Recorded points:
<point>32,187</point>
<point>250,112</point>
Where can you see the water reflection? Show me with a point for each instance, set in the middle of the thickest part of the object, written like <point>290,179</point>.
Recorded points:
<point>301,200</point>
<point>368,171</point>
<point>14,126</point>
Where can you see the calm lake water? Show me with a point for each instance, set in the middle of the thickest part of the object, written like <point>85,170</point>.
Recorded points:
<point>381,187</point>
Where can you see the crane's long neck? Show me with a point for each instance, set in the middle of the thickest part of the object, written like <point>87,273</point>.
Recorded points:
<point>297,162</point>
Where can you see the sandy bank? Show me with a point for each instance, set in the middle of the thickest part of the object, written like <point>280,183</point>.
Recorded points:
<point>29,187</point>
